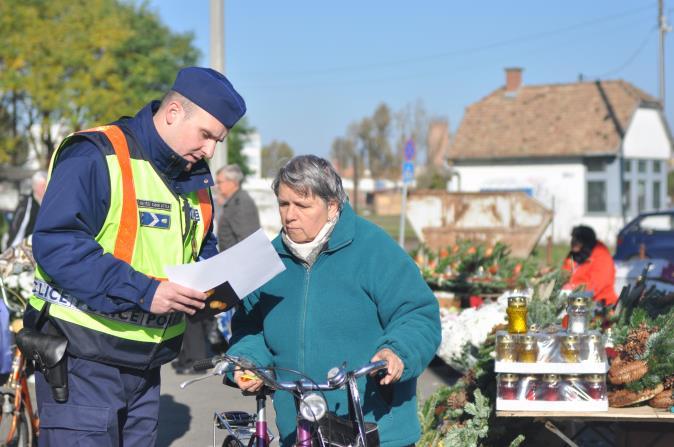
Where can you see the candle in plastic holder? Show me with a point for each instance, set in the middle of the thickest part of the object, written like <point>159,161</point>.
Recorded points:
<point>527,388</point>
<point>592,346</point>
<point>579,318</point>
<point>505,348</point>
<point>550,387</point>
<point>573,388</point>
<point>507,386</point>
<point>527,350</point>
<point>596,386</point>
<point>517,314</point>
<point>570,349</point>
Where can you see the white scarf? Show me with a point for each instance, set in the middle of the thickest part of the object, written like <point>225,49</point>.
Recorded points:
<point>309,251</point>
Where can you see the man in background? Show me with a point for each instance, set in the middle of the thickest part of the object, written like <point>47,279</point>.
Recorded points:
<point>238,217</point>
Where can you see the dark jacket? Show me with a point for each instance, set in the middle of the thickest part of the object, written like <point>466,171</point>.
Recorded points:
<point>362,294</point>
<point>23,221</point>
<point>74,209</point>
<point>238,219</point>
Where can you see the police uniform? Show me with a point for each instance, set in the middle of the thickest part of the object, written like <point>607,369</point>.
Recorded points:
<point>119,207</point>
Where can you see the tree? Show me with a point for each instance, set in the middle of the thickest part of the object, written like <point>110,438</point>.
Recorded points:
<point>235,141</point>
<point>411,123</point>
<point>69,64</point>
<point>274,155</point>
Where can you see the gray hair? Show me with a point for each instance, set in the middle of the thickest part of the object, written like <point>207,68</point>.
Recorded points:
<point>231,172</point>
<point>311,175</point>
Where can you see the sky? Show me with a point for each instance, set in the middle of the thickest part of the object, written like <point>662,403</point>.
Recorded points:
<point>307,69</point>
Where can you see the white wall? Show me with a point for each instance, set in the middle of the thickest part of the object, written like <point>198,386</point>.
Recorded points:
<point>646,136</point>
<point>252,150</point>
<point>267,207</point>
<point>557,186</point>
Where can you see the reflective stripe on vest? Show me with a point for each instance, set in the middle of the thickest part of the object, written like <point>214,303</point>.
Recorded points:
<point>134,338</point>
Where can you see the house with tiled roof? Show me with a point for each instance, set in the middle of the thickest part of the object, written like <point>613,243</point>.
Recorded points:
<point>595,152</point>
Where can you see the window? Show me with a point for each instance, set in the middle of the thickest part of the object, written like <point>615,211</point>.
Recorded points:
<point>641,195</point>
<point>627,165</point>
<point>627,193</point>
<point>657,166</point>
<point>642,166</point>
<point>596,196</point>
<point>595,165</point>
<point>656,195</point>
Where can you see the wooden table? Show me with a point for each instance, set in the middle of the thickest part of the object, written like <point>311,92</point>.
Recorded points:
<point>635,424</point>
<point>634,414</point>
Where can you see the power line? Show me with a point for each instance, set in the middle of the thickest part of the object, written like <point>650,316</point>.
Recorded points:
<point>524,38</point>
<point>630,59</point>
<point>293,82</point>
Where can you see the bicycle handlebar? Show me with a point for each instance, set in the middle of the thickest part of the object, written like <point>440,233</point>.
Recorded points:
<point>336,377</point>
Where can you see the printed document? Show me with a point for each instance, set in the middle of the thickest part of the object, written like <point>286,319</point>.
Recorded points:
<point>246,266</point>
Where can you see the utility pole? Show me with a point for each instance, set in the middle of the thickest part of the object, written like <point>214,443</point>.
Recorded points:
<point>217,62</point>
<point>664,29</point>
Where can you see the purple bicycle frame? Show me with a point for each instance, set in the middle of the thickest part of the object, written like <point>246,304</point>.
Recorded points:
<point>303,433</point>
<point>261,433</point>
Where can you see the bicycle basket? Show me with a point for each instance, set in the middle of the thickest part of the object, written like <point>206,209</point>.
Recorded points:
<point>336,431</point>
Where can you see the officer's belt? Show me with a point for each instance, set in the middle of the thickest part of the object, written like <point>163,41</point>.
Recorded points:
<point>47,292</point>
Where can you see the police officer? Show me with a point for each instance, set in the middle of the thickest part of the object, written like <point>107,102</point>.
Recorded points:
<point>123,201</point>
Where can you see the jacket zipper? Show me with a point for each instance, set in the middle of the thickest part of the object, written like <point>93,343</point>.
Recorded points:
<point>303,322</point>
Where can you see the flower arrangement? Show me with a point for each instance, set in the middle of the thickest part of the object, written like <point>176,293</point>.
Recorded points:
<point>474,267</point>
<point>17,268</point>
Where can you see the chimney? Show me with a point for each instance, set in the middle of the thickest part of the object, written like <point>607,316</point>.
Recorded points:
<point>513,79</point>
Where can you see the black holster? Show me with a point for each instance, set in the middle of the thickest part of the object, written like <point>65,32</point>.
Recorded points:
<point>48,351</point>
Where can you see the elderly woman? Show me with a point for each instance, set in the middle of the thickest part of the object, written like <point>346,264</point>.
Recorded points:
<point>348,294</point>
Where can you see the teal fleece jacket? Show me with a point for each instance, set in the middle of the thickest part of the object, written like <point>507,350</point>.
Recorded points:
<point>362,294</point>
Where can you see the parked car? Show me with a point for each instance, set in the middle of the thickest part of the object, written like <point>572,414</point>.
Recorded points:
<point>649,235</point>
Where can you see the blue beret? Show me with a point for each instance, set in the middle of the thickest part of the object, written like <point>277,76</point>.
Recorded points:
<point>212,92</point>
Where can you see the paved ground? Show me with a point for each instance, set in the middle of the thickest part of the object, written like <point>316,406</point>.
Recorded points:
<point>186,417</point>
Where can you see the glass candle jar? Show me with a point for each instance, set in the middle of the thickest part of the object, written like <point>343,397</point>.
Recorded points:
<point>527,349</point>
<point>570,349</point>
<point>505,348</point>
<point>548,347</point>
<point>507,386</point>
<point>592,347</point>
<point>579,318</point>
<point>573,388</point>
<point>550,387</point>
<point>517,314</point>
<point>596,386</point>
<point>528,388</point>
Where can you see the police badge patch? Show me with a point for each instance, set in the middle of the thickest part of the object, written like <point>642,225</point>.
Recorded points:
<point>154,220</point>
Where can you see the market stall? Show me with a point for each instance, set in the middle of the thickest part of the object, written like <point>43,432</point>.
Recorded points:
<point>532,359</point>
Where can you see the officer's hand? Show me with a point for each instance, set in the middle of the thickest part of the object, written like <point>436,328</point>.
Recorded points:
<point>395,365</point>
<point>172,297</point>
<point>247,381</point>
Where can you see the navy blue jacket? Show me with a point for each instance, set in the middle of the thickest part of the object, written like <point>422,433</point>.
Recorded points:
<point>73,211</point>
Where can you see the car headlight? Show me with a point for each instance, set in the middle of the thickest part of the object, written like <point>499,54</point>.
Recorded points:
<point>313,407</point>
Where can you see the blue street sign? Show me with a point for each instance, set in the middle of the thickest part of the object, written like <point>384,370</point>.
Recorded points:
<point>408,172</point>
<point>409,150</point>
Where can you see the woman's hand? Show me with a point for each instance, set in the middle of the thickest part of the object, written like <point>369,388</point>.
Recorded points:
<point>247,381</point>
<point>395,366</point>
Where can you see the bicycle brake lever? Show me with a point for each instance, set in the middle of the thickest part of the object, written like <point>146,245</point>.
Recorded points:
<point>189,382</point>
<point>220,369</point>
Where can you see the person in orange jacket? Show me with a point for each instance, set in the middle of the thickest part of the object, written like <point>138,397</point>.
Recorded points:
<point>591,265</point>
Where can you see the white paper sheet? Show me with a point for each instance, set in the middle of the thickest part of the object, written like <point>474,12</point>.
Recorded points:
<point>247,266</point>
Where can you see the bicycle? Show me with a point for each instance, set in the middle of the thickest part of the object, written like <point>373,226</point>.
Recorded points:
<point>19,424</point>
<point>316,426</point>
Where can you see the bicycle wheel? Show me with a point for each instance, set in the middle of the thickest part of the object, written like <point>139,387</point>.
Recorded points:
<point>231,441</point>
<point>23,435</point>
